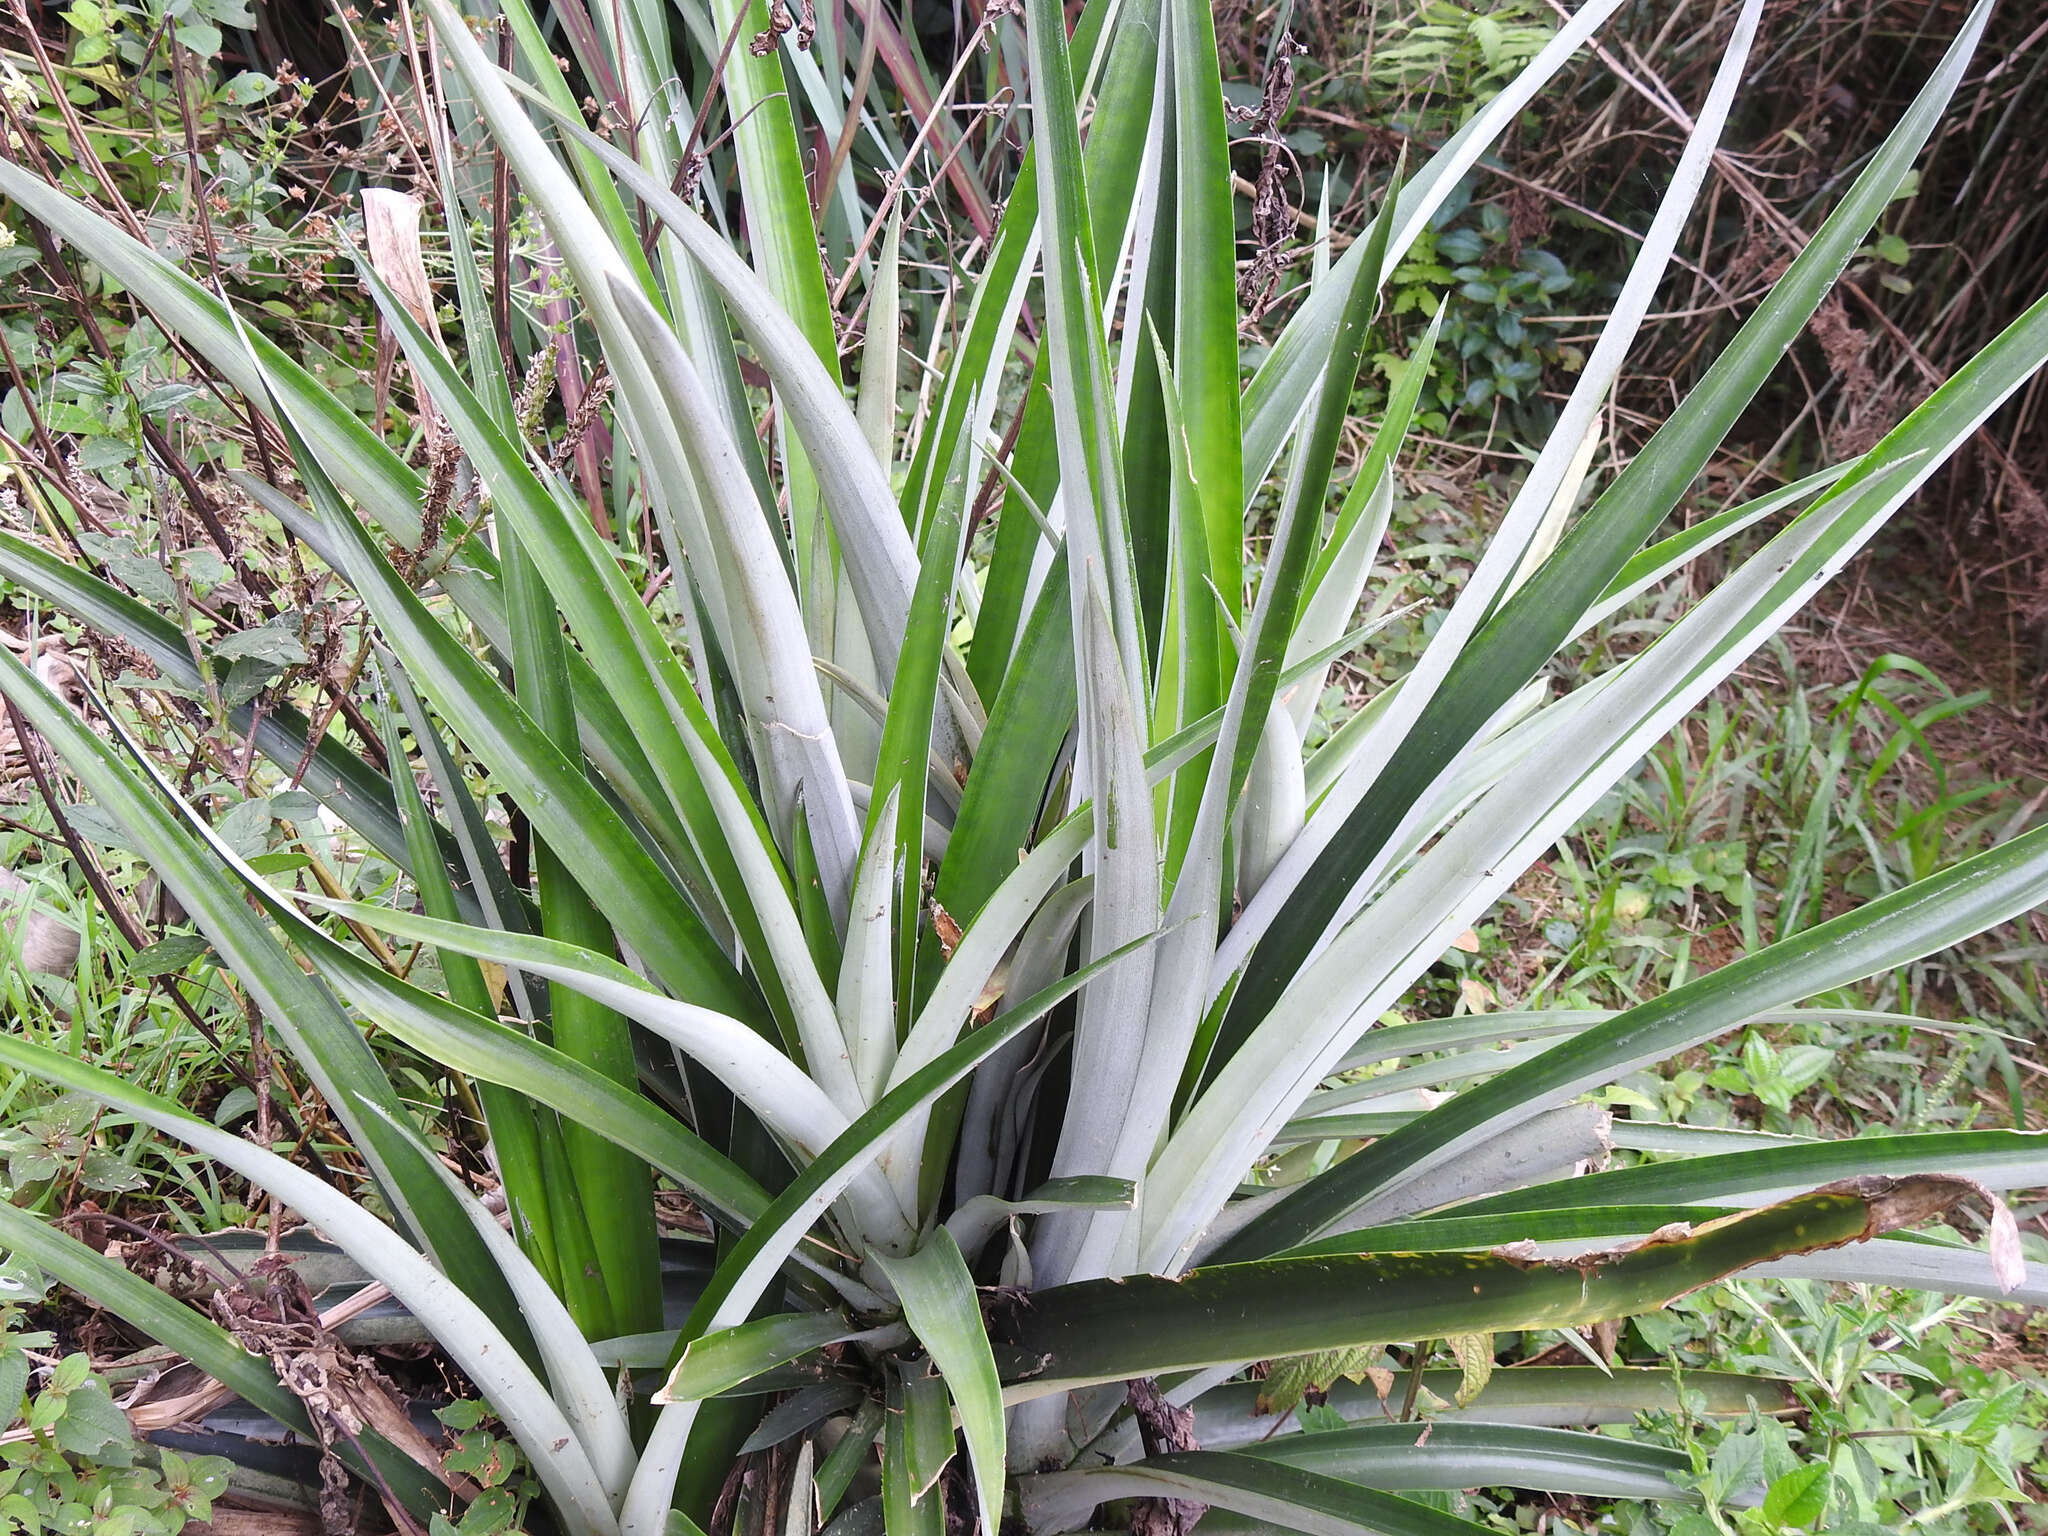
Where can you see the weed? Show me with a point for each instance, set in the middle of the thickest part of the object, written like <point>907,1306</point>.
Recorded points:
<point>1492,296</point>
<point>484,1454</point>
<point>1906,1422</point>
<point>69,1462</point>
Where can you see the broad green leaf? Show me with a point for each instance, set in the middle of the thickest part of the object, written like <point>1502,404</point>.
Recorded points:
<point>771,166</point>
<point>1248,709</point>
<point>848,1457</point>
<point>1083,416</point>
<point>1996,1159</point>
<point>1556,1396</point>
<point>927,1436</point>
<point>1205,342</point>
<point>1463,1454</point>
<point>1011,586</point>
<point>902,766</point>
<point>1800,1497</point>
<point>1006,790</point>
<point>944,1310</point>
<point>1194,653</point>
<point>909,1428</point>
<point>731,1357</point>
<point>1098,1331</point>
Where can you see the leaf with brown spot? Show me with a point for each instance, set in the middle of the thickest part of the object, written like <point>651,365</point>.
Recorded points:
<point>1146,1325</point>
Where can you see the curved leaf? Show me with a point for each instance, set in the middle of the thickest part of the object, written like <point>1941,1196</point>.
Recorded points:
<point>1920,919</point>
<point>1544,1395</point>
<point>731,1357</point>
<point>1279,1496</point>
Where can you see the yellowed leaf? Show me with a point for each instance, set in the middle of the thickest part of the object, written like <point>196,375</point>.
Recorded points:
<point>1475,1364</point>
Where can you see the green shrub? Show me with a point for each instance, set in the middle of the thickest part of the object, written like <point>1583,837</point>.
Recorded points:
<point>1004,1013</point>
<point>68,1460</point>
